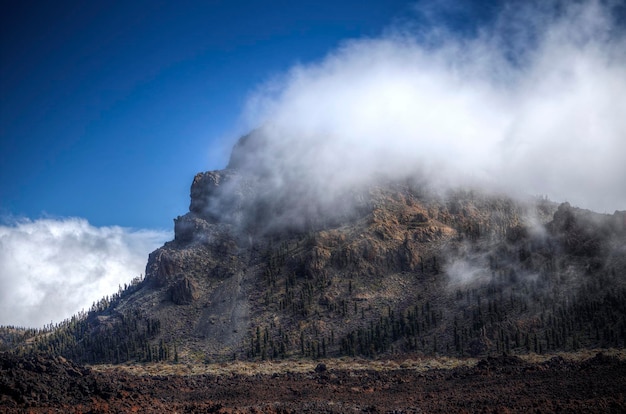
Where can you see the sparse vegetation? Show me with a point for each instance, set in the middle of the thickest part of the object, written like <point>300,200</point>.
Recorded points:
<point>383,284</point>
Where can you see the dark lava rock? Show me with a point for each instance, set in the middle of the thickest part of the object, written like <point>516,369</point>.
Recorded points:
<point>503,360</point>
<point>320,368</point>
<point>38,379</point>
<point>39,384</point>
<point>602,359</point>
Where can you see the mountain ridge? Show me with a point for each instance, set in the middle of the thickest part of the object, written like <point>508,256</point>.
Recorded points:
<point>393,266</point>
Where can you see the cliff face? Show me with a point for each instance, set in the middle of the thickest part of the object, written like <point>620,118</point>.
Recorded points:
<point>231,284</point>
<point>259,269</point>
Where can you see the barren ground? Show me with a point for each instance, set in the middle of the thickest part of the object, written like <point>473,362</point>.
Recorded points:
<point>563,383</point>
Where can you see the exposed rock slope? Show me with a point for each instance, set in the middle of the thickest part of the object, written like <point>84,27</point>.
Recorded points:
<point>262,271</point>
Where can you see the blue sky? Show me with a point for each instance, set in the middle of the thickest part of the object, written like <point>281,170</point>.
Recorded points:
<point>107,111</point>
<point>109,108</point>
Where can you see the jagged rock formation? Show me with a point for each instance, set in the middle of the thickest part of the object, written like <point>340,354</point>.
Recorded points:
<point>259,271</point>
<point>244,288</point>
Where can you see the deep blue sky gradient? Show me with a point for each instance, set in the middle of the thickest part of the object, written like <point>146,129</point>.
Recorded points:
<point>109,108</point>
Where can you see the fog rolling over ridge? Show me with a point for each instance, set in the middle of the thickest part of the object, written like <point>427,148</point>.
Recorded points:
<point>384,201</point>
<point>532,104</point>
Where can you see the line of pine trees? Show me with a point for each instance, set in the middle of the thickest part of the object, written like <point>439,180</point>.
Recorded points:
<point>101,336</point>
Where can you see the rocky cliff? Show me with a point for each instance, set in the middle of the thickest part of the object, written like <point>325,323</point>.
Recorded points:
<point>259,270</point>
<point>396,269</point>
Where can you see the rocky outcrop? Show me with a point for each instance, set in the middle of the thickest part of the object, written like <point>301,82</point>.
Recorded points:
<point>192,228</point>
<point>40,380</point>
<point>161,268</point>
<point>184,291</point>
<point>206,188</point>
<point>260,268</point>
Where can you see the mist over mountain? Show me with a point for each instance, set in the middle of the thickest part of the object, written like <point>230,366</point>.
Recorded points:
<point>395,198</point>
<point>398,269</point>
<point>530,104</point>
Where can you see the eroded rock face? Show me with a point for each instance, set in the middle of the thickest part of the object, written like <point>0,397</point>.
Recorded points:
<point>184,291</point>
<point>203,187</point>
<point>190,228</point>
<point>221,196</point>
<point>161,268</point>
<point>255,253</point>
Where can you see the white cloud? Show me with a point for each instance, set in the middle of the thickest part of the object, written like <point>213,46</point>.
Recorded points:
<point>533,104</point>
<point>52,268</point>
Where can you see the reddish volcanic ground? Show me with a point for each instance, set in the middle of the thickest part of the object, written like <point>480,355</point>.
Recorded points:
<point>496,384</point>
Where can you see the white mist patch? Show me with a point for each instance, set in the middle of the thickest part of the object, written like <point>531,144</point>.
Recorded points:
<point>532,104</point>
<point>463,272</point>
<point>52,268</point>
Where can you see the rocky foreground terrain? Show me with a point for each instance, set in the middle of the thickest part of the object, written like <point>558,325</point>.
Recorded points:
<point>597,384</point>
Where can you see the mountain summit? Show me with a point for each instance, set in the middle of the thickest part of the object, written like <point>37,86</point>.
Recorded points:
<point>267,265</point>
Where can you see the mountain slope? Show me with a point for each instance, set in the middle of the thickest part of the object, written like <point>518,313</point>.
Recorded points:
<point>264,271</point>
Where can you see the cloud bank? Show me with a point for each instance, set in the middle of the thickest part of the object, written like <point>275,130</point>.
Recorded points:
<point>532,103</point>
<point>52,268</point>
